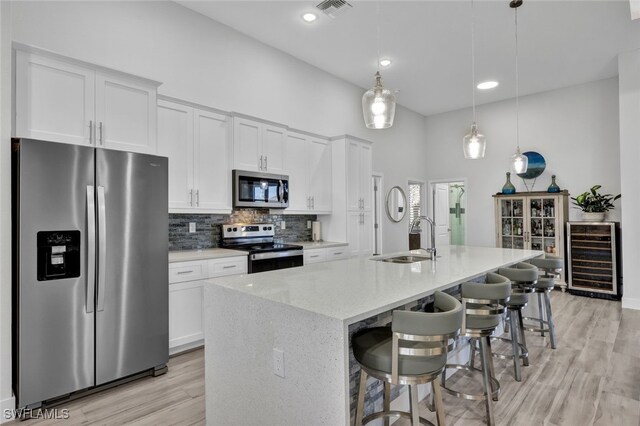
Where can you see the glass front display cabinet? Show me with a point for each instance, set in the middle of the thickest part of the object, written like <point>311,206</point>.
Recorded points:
<point>533,221</point>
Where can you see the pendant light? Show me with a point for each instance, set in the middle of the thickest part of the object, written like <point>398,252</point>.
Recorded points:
<point>378,103</point>
<point>473,144</point>
<point>520,161</point>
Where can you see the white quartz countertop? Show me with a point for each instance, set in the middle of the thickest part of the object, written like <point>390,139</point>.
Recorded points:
<point>308,245</point>
<point>354,289</point>
<point>214,253</point>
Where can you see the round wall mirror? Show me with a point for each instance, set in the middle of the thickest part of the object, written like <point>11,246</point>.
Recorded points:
<point>396,204</point>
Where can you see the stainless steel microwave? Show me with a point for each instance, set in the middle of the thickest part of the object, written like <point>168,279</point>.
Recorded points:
<point>260,190</point>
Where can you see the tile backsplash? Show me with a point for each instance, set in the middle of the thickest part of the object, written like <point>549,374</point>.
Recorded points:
<point>208,230</point>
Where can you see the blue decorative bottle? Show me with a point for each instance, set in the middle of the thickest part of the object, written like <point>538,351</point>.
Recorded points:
<point>508,187</point>
<point>553,187</point>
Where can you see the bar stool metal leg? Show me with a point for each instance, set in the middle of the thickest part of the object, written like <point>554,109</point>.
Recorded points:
<point>362,388</point>
<point>437,396</point>
<point>492,370</point>
<point>552,328</point>
<point>541,314</point>
<point>523,340</point>
<point>413,397</point>
<point>516,347</point>
<point>485,355</point>
<point>472,354</point>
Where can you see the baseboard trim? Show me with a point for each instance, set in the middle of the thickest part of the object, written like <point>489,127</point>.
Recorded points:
<point>628,303</point>
<point>7,406</point>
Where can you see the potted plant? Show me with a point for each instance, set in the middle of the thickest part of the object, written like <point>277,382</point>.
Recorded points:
<point>594,205</point>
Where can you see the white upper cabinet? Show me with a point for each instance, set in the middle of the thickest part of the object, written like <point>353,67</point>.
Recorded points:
<point>308,162</point>
<point>212,157</point>
<point>175,140</point>
<point>54,100</point>
<point>67,101</point>
<point>359,169</point>
<point>126,114</point>
<point>319,170</point>
<point>258,146</point>
<point>198,144</point>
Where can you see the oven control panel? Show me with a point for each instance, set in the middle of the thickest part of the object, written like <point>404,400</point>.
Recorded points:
<point>242,230</point>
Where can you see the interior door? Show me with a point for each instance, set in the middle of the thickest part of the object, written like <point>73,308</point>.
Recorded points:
<point>55,312</point>
<point>441,213</point>
<point>132,328</point>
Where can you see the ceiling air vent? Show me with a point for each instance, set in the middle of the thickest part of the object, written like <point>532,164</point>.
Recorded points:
<point>334,8</point>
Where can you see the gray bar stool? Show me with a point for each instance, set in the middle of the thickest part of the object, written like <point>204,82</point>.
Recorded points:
<point>524,277</point>
<point>552,267</point>
<point>410,352</point>
<point>484,305</point>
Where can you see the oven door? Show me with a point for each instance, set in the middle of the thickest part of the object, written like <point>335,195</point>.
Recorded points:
<point>270,261</point>
<point>252,189</point>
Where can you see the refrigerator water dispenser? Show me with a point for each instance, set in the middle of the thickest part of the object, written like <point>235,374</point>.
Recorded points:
<point>58,255</point>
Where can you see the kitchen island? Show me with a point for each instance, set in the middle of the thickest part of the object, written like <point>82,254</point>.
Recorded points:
<point>296,323</point>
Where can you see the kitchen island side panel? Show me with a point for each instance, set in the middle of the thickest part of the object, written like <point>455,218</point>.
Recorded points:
<point>241,333</point>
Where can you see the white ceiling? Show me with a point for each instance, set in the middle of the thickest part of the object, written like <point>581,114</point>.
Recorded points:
<point>562,43</point>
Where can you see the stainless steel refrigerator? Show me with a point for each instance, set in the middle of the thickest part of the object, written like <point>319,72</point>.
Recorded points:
<point>90,276</point>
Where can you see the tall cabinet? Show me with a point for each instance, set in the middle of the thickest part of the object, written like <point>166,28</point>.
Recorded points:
<point>352,217</point>
<point>533,221</point>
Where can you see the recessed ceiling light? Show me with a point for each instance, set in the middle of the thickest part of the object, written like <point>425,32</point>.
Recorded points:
<point>485,85</point>
<point>309,17</point>
<point>385,62</point>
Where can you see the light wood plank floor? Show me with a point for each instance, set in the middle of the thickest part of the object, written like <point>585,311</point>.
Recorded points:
<point>592,378</point>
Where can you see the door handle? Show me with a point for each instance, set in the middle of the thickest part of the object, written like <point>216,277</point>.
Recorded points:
<point>191,197</point>
<point>102,248</point>
<point>261,164</point>
<point>197,197</point>
<point>313,202</point>
<point>101,134</point>
<point>185,272</point>
<point>266,165</point>
<point>90,132</point>
<point>91,249</point>
<point>229,266</point>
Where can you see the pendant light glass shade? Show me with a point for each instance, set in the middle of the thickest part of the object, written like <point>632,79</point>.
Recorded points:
<point>378,106</point>
<point>520,162</point>
<point>474,144</point>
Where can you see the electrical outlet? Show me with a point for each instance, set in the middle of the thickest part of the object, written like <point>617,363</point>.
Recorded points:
<point>192,227</point>
<point>283,225</point>
<point>278,362</point>
<point>308,224</point>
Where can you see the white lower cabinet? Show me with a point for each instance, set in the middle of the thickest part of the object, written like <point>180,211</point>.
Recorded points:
<point>186,286</point>
<point>360,233</point>
<point>319,255</point>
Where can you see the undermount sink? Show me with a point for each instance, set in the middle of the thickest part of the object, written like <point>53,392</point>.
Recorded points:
<point>405,259</point>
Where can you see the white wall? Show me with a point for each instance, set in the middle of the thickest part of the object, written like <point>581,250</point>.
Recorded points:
<point>575,129</point>
<point>6,399</point>
<point>206,62</point>
<point>629,69</point>
<point>203,61</point>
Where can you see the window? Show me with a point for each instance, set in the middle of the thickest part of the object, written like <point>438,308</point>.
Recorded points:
<point>415,202</point>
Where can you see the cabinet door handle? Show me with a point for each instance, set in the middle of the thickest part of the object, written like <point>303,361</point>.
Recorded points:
<point>90,132</point>
<point>313,202</point>
<point>184,272</point>
<point>314,255</point>
<point>198,197</point>
<point>191,197</point>
<point>266,165</point>
<point>337,253</point>
<point>260,163</point>
<point>101,133</point>
<point>229,266</point>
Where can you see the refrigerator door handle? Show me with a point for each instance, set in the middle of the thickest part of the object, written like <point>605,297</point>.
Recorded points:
<point>91,249</point>
<point>102,248</point>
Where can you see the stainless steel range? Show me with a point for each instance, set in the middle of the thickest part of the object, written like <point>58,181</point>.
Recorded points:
<point>264,253</point>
